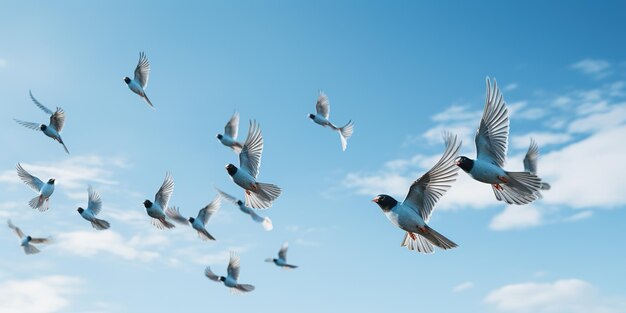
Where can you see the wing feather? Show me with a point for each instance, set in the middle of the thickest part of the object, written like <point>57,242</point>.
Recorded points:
<point>250,156</point>
<point>232,127</point>
<point>30,180</point>
<point>530,160</point>
<point>162,196</point>
<point>95,202</point>
<point>322,107</point>
<point>493,133</point>
<point>142,71</point>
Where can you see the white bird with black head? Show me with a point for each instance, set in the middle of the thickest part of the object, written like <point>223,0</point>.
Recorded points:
<point>321,117</point>
<point>140,81</point>
<point>27,241</point>
<point>198,223</point>
<point>263,220</point>
<point>156,209</point>
<point>231,130</point>
<point>94,206</point>
<point>281,261</point>
<point>42,200</point>
<point>54,127</point>
<point>230,280</point>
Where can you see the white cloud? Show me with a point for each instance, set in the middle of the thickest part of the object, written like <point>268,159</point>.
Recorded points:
<point>543,139</point>
<point>561,296</point>
<point>579,216</point>
<point>596,68</point>
<point>42,295</point>
<point>510,87</point>
<point>463,286</point>
<point>516,217</point>
<point>90,244</point>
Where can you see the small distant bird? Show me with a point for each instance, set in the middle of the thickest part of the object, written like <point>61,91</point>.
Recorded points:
<point>265,221</point>
<point>42,201</point>
<point>53,129</point>
<point>229,138</point>
<point>161,200</point>
<point>322,108</point>
<point>282,258</point>
<point>491,145</point>
<point>139,83</point>
<point>94,206</point>
<point>414,212</point>
<point>258,195</point>
<point>27,241</point>
<point>198,223</point>
<point>230,280</point>
<point>530,163</point>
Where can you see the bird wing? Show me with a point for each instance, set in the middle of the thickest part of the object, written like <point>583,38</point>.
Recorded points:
<point>142,71</point>
<point>30,180</point>
<point>493,133</point>
<point>322,107</point>
<point>95,202</point>
<point>426,191</point>
<point>57,120</point>
<point>227,196</point>
<point>282,253</point>
<point>233,266</point>
<point>39,105</point>
<point>162,196</point>
<point>40,240</point>
<point>530,160</point>
<point>174,213</point>
<point>205,213</point>
<point>31,125</point>
<point>250,156</point>
<point>208,273</point>
<point>18,232</point>
<point>232,127</point>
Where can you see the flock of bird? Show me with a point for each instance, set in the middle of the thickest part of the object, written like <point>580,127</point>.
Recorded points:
<point>410,215</point>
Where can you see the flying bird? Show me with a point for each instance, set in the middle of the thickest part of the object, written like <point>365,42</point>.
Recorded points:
<point>198,223</point>
<point>258,195</point>
<point>139,83</point>
<point>42,201</point>
<point>229,138</point>
<point>230,280</point>
<point>491,145</point>
<point>322,109</point>
<point>161,200</point>
<point>265,221</point>
<point>282,258</point>
<point>530,163</point>
<point>94,206</point>
<point>414,212</point>
<point>27,241</point>
<point>53,129</point>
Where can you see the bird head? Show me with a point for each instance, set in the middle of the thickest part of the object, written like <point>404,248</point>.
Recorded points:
<point>231,169</point>
<point>222,278</point>
<point>385,202</point>
<point>239,202</point>
<point>191,220</point>
<point>80,210</point>
<point>127,80</point>
<point>51,181</point>
<point>311,116</point>
<point>147,204</point>
<point>29,238</point>
<point>464,163</point>
<point>43,127</point>
<point>219,136</point>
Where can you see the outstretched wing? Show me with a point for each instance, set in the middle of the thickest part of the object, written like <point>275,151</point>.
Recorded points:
<point>30,180</point>
<point>95,202</point>
<point>208,273</point>
<point>31,125</point>
<point>428,189</point>
<point>142,71</point>
<point>205,213</point>
<point>174,214</point>
<point>57,120</point>
<point>227,196</point>
<point>493,133</point>
<point>250,156</point>
<point>40,240</point>
<point>162,196</point>
<point>232,127</point>
<point>39,105</point>
<point>530,160</point>
<point>18,232</point>
<point>282,253</point>
<point>322,107</point>
<point>233,266</point>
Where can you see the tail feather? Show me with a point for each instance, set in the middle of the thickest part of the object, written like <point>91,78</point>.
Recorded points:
<point>522,188</point>
<point>204,235</point>
<point>64,147</point>
<point>345,133</point>
<point>162,223</point>
<point>30,249</point>
<point>545,186</point>
<point>289,266</point>
<point>420,244</point>
<point>244,287</point>
<point>510,196</point>
<point>100,224</point>
<point>39,203</point>
<point>267,224</point>
<point>237,146</point>
<point>263,196</point>
<point>145,96</point>
<point>438,239</point>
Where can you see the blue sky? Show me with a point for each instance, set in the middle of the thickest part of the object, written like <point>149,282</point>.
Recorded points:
<point>402,71</point>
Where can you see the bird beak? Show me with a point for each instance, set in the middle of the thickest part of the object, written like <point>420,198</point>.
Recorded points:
<point>376,199</point>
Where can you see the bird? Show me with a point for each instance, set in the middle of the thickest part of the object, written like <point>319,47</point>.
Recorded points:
<point>198,223</point>
<point>230,280</point>
<point>229,138</point>
<point>42,201</point>
<point>140,81</point>
<point>282,258</point>
<point>94,206</point>
<point>54,128</point>
<point>530,164</point>
<point>491,144</point>
<point>265,221</point>
<point>414,212</point>
<point>322,113</point>
<point>27,241</point>
<point>161,200</point>
<point>257,195</point>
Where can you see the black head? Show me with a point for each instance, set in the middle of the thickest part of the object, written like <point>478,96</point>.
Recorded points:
<point>464,163</point>
<point>311,116</point>
<point>51,181</point>
<point>43,127</point>
<point>231,169</point>
<point>385,202</point>
<point>29,238</point>
<point>239,202</point>
<point>147,204</point>
<point>222,278</point>
<point>80,210</point>
<point>219,136</point>
<point>127,80</point>
<point>191,219</point>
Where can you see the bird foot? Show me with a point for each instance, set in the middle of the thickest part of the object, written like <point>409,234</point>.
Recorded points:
<point>498,187</point>
<point>412,235</point>
<point>248,192</point>
<point>503,179</point>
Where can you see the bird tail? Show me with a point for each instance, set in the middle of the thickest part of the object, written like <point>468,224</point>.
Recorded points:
<point>521,189</point>
<point>269,260</point>
<point>289,266</point>
<point>267,224</point>
<point>420,244</point>
<point>162,223</point>
<point>237,146</point>
<point>145,96</point>
<point>39,203</point>
<point>30,249</point>
<point>345,133</point>
<point>545,186</point>
<point>438,239</point>
<point>204,235</point>
<point>100,224</point>
<point>244,287</point>
<point>263,196</point>
<point>64,147</point>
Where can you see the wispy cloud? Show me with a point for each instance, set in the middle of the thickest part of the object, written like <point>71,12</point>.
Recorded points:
<point>47,294</point>
<point>463,286</point>
<point>595,67</point>
<point>90,244</point>
<point>516,217</point>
